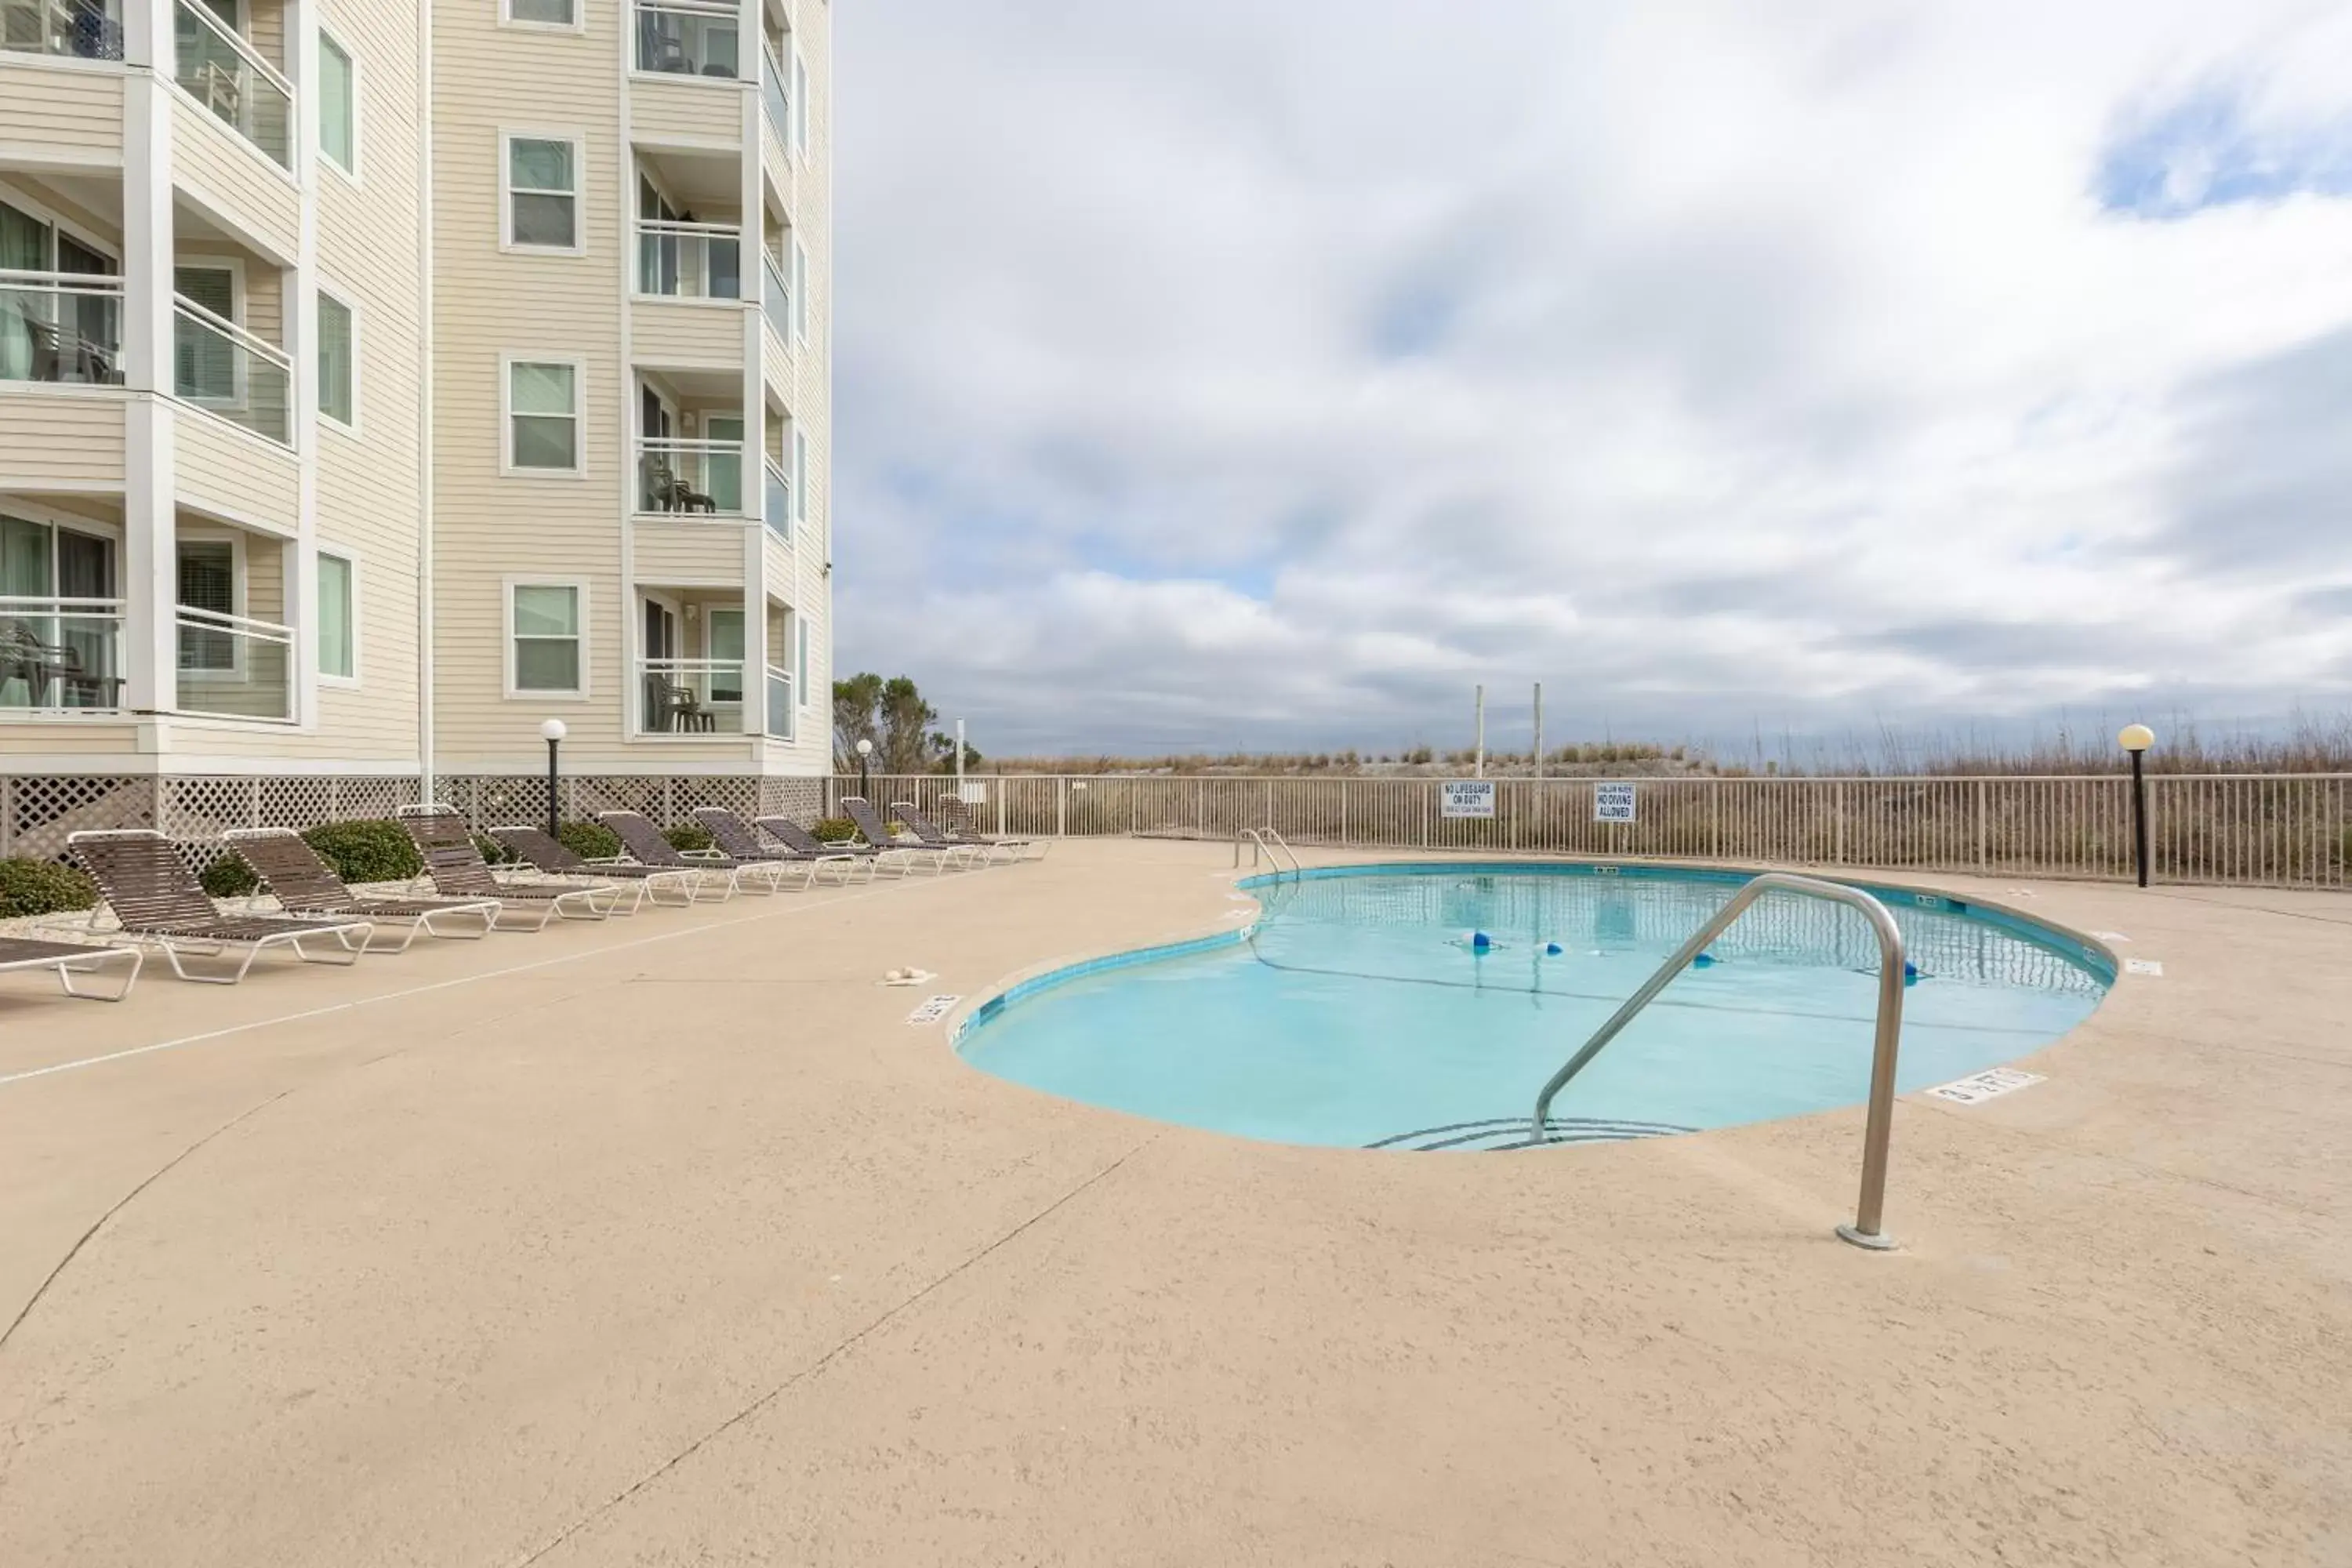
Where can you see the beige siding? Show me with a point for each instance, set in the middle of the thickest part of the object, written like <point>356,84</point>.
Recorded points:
<point>776,366</point>
<point>225,172</point>
<point>60,112</point>
<point>102,740</point>
<point>811,196</point>
<point>689,552</point>
<point>697,335</point>
<point>700,113</point>
<point>487,301</point>
<point>53,439</point>
<point>227,470</point>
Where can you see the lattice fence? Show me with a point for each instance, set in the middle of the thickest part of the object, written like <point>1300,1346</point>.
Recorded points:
<point>504,800</point>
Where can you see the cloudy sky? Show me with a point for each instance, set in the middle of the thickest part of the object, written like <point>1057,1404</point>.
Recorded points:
<point>1237,373</point>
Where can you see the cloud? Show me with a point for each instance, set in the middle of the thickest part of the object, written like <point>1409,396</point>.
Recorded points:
<point>1269,374</point>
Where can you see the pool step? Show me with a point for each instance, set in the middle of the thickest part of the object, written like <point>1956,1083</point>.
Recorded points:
<point>1505,1132</point>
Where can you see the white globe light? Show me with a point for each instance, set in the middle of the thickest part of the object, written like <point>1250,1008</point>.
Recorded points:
<point>865,748</point>
<point>552,730</point>
<point>2136,738</point>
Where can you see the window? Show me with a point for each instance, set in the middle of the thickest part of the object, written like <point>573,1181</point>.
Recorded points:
<point>60,330</point>
<point>800,291</point>
<point>800,105</point>
<point>544,13</point>
<point>545,619</point>
<point>207,584</point>
<point>800,657</point>
<point>542,178</point>
<point>339,648</point>
<point>799,477</point>
<point>204,359</point>
<point>543,417</point>
<point>339,105</point>
<point>337,362</point>
<point>727,651</point>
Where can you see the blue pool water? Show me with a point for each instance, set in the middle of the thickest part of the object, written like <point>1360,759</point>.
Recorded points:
<point>1359,1012</point>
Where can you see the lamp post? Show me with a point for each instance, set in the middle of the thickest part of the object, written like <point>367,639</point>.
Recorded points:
<point>865,760</point>
<point>2136,739</point>
<point>552,732</point>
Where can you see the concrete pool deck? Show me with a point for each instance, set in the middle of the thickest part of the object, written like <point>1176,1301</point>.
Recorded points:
<point>670,1240</point>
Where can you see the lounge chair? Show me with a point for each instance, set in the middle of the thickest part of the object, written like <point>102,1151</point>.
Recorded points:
<point>158,902</point>
<point>723,872</point>
<point>955,821</point>
<point>459,871</point>
<point>306,885</point>
<point>905,852</point>
<point>736,838</point>
<point>939,837</point>
<point>543,851</point>
<point>66,959</point>
<point>795,838</point>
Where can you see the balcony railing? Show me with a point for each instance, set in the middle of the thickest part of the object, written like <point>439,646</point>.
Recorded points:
<point>60,327</point>
<point>71,30</point>
<point>224,73</point>
<point>776,299</point>
<point>60,655</point>
<point>689,38</point>
<point>231,667</point>
<point>779,508</point>
<point>781,707</point>
<point>691,697</point>
<point>223,369</point>
<point>690,260</point>
<point>773,100</point>
<point>690,479</point>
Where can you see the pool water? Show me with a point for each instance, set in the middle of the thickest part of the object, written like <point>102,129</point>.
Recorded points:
<point>1361,1012</point>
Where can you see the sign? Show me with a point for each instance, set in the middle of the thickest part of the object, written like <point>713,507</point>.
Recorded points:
<point>933,1010</point>
<point>1980,1086</point>
<point>972,792</point>
<point>1612,803</point>
<point>1468,798</point>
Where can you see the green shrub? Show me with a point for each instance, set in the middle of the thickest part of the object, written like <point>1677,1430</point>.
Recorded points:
<point>494,852</point>
<point>366,851</point>
<point>590,840</point>
<point>836,830</point>
<point>686,838</point>
<point>43,887</point>
<point>230,877</point>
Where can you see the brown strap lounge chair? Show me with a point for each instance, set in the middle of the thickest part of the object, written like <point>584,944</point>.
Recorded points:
<point>736,838</point>
<point>307,885</point>
<point>66,959</point>
<point>721,877</point>
<point>905,853</point>
<point>922,828</point>
<point>158,901</point>
<point>459,871</point>
<point>543,851</point>
<point>955,821</point>
<point>794,837</point>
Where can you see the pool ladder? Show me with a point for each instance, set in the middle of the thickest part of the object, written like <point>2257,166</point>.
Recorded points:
<point>1864,1231</point>
<point>1265,841</point>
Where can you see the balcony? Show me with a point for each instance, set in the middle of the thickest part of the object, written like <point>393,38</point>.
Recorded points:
<point>223,369</point>
<point>63,328</point>
<point>691,697</point>
<point>689,38</point>
<point>776,300</point>
<point>60,655</point>
<point>775,104</point>
<point>225,74</point>
<point>689,260</point>
<point>63,29</point>
<point>779,508</point>
<point>686,479</point>
<point>232,667</point>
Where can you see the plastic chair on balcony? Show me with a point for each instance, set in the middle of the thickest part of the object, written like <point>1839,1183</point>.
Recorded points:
<point>46,667</point>
<point>673,709</point>
<point>667,492</point>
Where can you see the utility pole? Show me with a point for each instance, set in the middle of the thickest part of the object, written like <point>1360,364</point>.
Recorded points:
<point>959,759</point>
<point>1478,766</point>
<point>1538,729</point>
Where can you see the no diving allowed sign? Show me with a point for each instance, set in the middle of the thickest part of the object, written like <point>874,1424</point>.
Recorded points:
<point>1612,803</point>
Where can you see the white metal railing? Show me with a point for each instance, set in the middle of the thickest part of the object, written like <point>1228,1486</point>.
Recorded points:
<point>227,76</point>
<point>775,101</point>
<point>689,260</point>
<point>690,696</point>
<point>782,711</point>
<point>60,327</point>
<point>226,370</point>
<point>690,479</point>
<point>70,29</point>
<point>234,666</point>
<point>776,299</point>
<point>778,507</point>
<point>689,38</point>
<point>2250,830</point>
<point>60,655</point>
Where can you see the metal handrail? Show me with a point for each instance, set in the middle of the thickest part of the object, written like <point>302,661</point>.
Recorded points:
<point>241,337</point>
<point>1259,838</point>
<point>1864,1231</point>
<point>222,621</point>
<point>242,46</point>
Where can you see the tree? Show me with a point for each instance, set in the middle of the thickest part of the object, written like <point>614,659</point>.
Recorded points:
<point>893,715</point>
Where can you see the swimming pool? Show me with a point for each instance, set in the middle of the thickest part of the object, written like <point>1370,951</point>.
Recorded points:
<point>1360,1010</point>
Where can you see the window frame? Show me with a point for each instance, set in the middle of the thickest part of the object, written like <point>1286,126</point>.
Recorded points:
<point>353,570</point>
<point>579,23</point>
<point>239,605</point>
<point>800,660</point>
<point>508,468</point>
<point>799,106</point>
<point>329,38</point>
<point>800,477</point>
<point>800,291</point>
<point>578,142</point>
<point>516,693</point>
<point>325,293</point>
